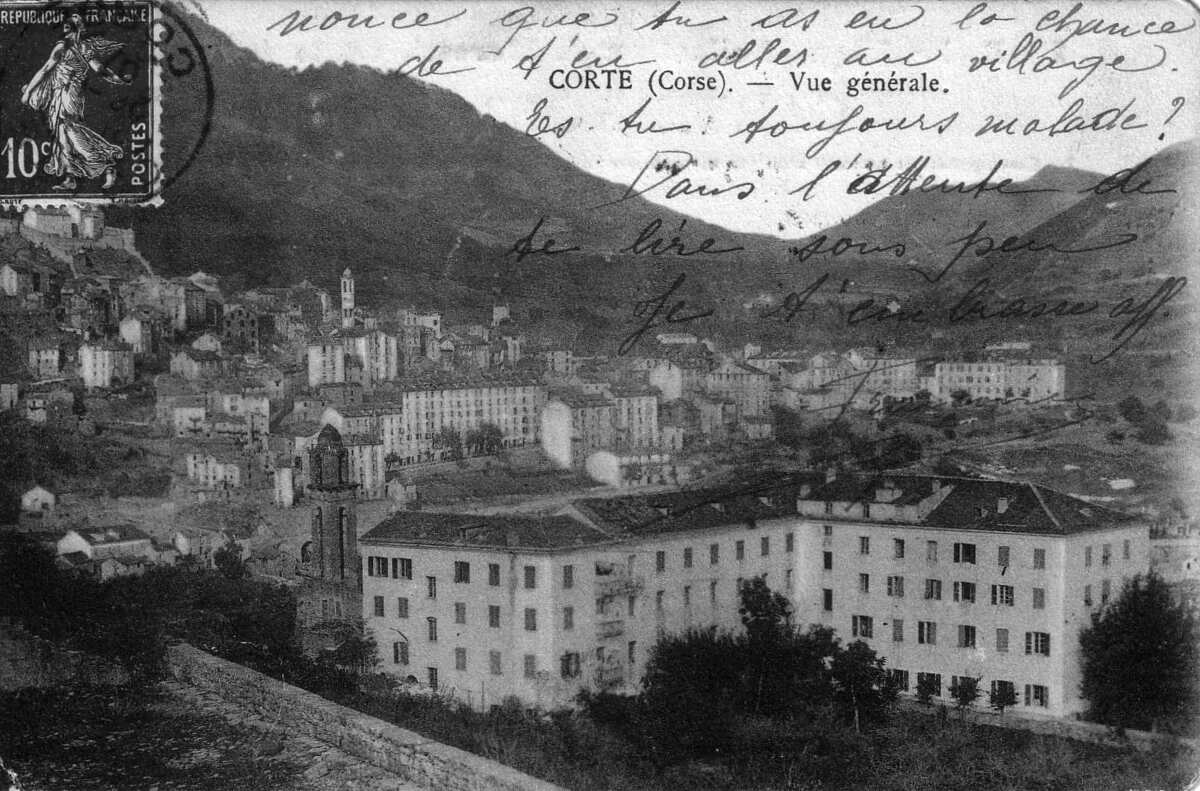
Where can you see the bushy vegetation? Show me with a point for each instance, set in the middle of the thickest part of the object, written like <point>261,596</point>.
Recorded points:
<point>1150,421</point>
<point>53,456</point>
<point>131,619</point>
<point>1141,660</point>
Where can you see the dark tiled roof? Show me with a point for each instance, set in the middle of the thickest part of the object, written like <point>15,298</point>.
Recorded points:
<point>504,531</point>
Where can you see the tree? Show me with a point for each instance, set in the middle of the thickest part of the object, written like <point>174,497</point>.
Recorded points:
<point>964,692</point>
<point>1153,432</point>
<point>1140,659</point>
<point>863,686</point>
<point>1132,409</point>
<point>228,560</point>
<point>928,688</point>
<point>1002,696</point>
<point>765,613</point>
<point>960,397</point>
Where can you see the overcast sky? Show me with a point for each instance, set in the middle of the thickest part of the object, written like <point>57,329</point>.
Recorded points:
<point>778,165</point>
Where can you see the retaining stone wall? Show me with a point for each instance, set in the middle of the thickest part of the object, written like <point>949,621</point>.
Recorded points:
<point>403,752</point>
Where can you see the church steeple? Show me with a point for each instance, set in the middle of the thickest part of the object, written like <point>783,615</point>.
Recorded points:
<point>347,298</point>
<point>334,516</point>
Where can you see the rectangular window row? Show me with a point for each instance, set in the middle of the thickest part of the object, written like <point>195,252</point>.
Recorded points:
<point>401,568</point>
<point>714,552</point>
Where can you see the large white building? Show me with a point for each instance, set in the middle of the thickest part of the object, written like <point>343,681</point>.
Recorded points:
<point>996,379</point>
<point>941,576</point>
<point>512,404</point>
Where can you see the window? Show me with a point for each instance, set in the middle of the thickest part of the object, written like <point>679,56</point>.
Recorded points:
<point>788,583</point>
<point>687,557</point>
<point>897,630</point>
<point>1037,695</point>
<point>1125,550</point>
<point>1087,595</point>
<point>927,632</point>
<point>1039,598</point>
<point>1002,595</point>
<point>687,595</point>
<point>460,659</point>
<point>530,619</point>
<point>1037,643</point>
<point>895,587</point>
<point>861,626</point>
<point>568,576</point>
<point>400,653</point>
<point>570,665</point>
<point>660,561</point>
<point>1106,555</point>
<point>898,548</point>
<point>789,542</point>
<point>1002,556</point>
<point>899,678</point>
<point>1039,558</point>
<point>493,574</point>
<point>1004,690</point>
<point>864,545</point>
<point>431,587</point>
<point>964,591</point>
<point>764,544</point>
<point>827,560</point>
<point>494,662</point>
<point>402,607</point>
<point>828,507</point>
<point>931,551</point>
<point>827,599</point>
<point>378,606</point>
<point>1087,557</point>
<point>933,589</point>
<point>530,666</point>
<point>864,583</point>
<point>530,577</point>
<point>658,601</point>
<point>404,571</point>
<point>462,571</point>
<point>376,566</point>
<point>494,616</point>
<point>739,549</point>
<point>828,529</point>
<point>1002,641</point>
<point>433,677</point>
<point>714,554</point>
<point>932,680</point>
<point>712,593</point>
<point>460,612</point>
<point>1105,591</point>
<point>631,652</point>
<point>964,553</point>
<point>966,636</point>
<point>431,624</point>
<point>866,510</point>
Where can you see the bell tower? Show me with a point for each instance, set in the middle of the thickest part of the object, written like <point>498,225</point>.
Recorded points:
<point>334,555</point>
<point>329,598</point>
<point>347,298</point>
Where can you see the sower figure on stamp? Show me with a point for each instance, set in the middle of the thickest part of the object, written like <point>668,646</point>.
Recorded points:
<point>77,151</point>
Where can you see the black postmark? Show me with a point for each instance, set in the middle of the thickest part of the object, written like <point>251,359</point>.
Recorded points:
<point>81,95</point>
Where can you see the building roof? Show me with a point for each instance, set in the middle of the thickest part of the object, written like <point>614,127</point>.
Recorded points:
<point>505,531</point>
<point>111,534</point>
<point>962,504</point>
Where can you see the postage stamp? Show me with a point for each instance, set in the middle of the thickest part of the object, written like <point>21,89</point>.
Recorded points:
<point>80,94</point>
